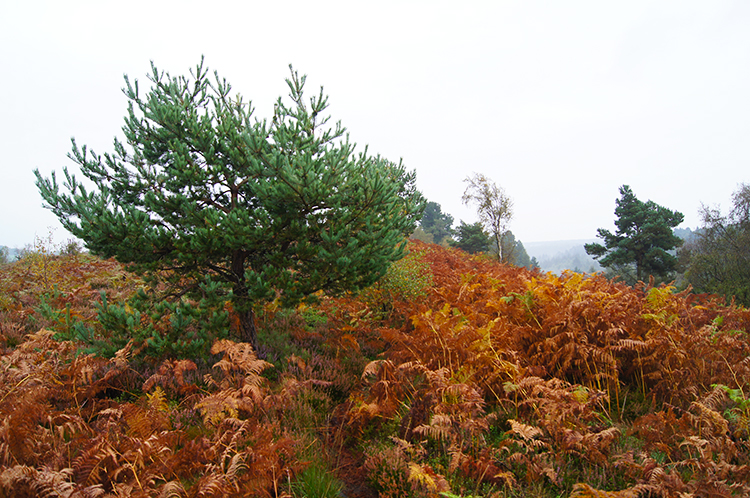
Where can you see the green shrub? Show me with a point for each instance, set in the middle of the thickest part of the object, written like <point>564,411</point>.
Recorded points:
<point>407,279</point>
<point>316,481</point>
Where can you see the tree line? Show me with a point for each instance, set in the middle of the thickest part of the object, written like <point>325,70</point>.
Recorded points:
<point>489,235</point>
<point>715,259</point>
<point>436,227</point>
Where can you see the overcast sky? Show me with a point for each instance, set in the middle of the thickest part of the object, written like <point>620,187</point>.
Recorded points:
<point>559,103</point>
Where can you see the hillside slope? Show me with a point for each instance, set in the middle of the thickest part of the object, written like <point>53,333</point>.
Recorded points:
<point>453,376</point>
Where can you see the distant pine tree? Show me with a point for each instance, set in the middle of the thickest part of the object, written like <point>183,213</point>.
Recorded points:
<point>643,240</point>
<point>436,223</point>
<point>472,238</point>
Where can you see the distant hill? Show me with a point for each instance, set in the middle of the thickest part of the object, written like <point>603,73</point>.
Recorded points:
<point>12,252</point>
<point>687,234</point>
<point>559,255</point>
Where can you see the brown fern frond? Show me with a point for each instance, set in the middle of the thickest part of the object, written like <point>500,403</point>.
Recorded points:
<point>378,368</point>
<point>527,432</point>
<point>173,489</point>
<point>93,464</point>
<point>594,446</point>
<point>715,399</point>
<point>22,481</point>
<point>171,376</point>
<point>230,433</point>
<point>23,439</point>
<point>95,491</point>
<point>68,427</point>
<point>624,345</point>
<point>213,485</point>
<point>234,466</point>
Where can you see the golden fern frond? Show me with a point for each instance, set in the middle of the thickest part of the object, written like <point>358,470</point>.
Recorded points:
<point>157,400</point>
<point>216,408</point>
<point>439,427</point>
<point>226,404</point>
<point>144,421</point>
<point>418,475</point>
<point>711,419</point>
<point>238,356</point>
<point>527,432</point>
<point>582,490</point>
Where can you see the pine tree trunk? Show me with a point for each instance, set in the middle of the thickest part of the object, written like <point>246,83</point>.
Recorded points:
<point>248,332</point>
<point>243,305</point>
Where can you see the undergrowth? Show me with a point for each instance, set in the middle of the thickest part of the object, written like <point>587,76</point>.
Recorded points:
<point>454,376</point>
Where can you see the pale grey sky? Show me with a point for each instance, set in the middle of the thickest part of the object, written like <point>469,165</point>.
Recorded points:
<point>559,103</point>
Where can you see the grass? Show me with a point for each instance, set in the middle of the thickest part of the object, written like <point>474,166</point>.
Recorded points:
<point>316,481</point>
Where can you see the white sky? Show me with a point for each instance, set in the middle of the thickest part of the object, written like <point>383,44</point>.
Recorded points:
<point>559,103</point>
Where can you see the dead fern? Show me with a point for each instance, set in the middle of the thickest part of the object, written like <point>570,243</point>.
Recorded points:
<point>22,481</point>
<point>241,387</point>
<point>171,377</point>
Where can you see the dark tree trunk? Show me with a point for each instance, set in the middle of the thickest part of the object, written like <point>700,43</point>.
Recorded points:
<point>242,304</point>
<point>248,332</point>
<point>639,268</point>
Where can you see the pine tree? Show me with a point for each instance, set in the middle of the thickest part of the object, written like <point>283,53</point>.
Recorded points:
<point>471,238</point>
<point>643,239</point>
<point>514,251</point>
<point>203,194</point>
<point>436,223</point>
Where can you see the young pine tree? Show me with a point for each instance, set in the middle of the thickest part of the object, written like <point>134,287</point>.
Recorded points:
<point>202,192</point>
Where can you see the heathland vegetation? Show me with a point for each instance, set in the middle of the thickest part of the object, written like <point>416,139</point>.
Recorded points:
<point>454,375</point>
